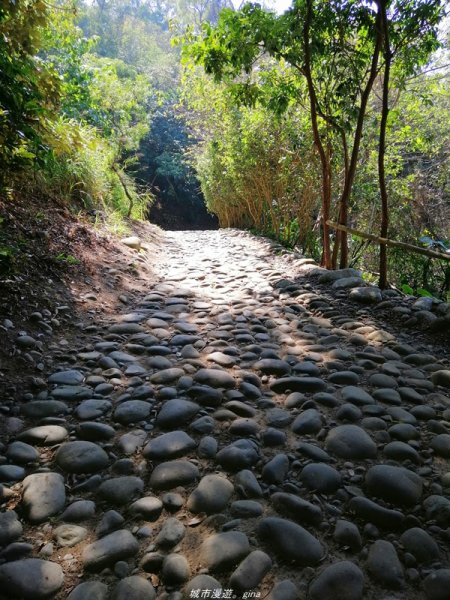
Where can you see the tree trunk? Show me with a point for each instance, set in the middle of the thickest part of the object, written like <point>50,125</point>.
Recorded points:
<point>382,144</point>
<point>348,184</point>
<point>338,238</point>
<point>324,159</point>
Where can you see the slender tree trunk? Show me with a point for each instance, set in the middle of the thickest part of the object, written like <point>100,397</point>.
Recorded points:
<point>348,184</point>
<point>324,159</point>
<point>338,238</point>
<point>382,144</point>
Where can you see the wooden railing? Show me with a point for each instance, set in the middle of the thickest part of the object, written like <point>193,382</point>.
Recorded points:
<point>388,242</point>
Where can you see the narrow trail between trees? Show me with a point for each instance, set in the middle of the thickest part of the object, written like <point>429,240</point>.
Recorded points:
<point>238,432</point>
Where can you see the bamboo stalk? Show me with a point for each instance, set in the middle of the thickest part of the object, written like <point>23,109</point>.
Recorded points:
<point>388,242</point>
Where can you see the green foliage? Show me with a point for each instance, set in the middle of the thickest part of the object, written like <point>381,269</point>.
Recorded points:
<point>67,259</point>
<point>29,90</point>
<point>256,171</point>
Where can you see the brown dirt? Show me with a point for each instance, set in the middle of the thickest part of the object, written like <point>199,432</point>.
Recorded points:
<point>59,259</point>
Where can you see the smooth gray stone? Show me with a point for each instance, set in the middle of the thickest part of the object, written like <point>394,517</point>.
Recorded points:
<point>10,527</point>
<point>205,395</point>
<point>44,495</point>
<point>26,341</point>
<point>276,470</point>
<point>122,357</point>
<point>71,377</point>
<point>365,295</point>
<point>132,411</point>
<point>238,455</point>
<point>290,541</point>
<point>148,508</point>
<point>222,550</point>
<point>22,453</point>
<point>356,395</point>
<point>331,276</point>
<point>272,437</point>
<point>247,485</point>
<point>132,441</point>
<point>278,417</point>
<point>121,490</point>
<point>370,511</point>
<point>349,412</point>
<point>437,584</point>
<point>296,508</point>
<point>171,534</point>
<point>175,569</point>
<point>343,580</point>
<point>251,571</point>
<point>44,435</point>
<point>176,412</point>
<point>16,551</point>
<point>203,425</point>
<point>344,378</point>
<point>172,501</point>
<point>68,535</point>
<point>152,562</point>
<point>437,508</point>
<point>272,366</point>
<point>421,545</point>
<point>39,409</point>
<point>80,510</point>
<point>215,378</point>
<point>211,495</point>
<point>404,432</point>
<point>95,432</point>
<point>167,376</point>
<point>400,451</point>
<point>441,378</point>
<point>397,485</point>
<point>350,441</point>
<point>243,427</point>
<point>380,380</point>
<point>284,590</point>
<point>313,451</point>
<point>308,421</point>
<point>441,445</point>
<point>171,474</point>
<point>184,339</point>
<point>246,509</point>
<point>118,545</point>
<point>297,384</point>
<point>384,565</point>
<point>120,328</point>
<point>81,457</point>
<point>169,445</point>
<point>326,399</point>
<point>250,391</point>
<point>207,447</point>
<point>111,521</point>
<point>346,283</point>
<point>89,590</point>
<point>71,393</point>
<point>202,583</point>
<point>134,587</point>
<point>320,477</point>
<point>30,578</point>
<point>11,473</point>
<point>388,396</point>
<point>92,409</point>
<point>410,395</point>
<point>347,534</point>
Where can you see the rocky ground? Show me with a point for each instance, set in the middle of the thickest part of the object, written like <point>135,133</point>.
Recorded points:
<point>239,424</point>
